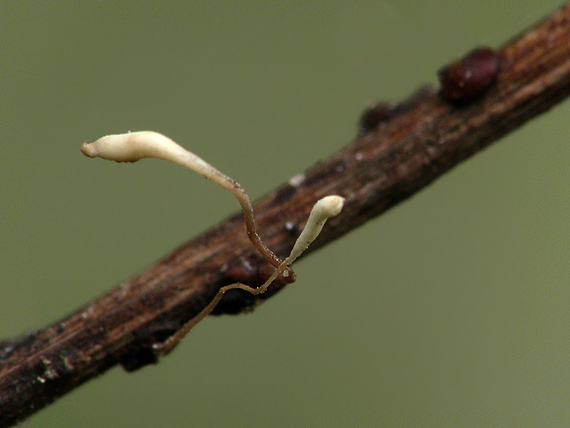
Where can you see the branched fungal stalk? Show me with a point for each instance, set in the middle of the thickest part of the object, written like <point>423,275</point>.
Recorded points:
<point>133,146</point>
<point>324,209</point>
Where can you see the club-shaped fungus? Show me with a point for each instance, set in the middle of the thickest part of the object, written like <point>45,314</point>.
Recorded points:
<point>133,146</point>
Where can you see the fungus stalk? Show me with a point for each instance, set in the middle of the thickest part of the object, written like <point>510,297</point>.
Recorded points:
<point>133,146</point>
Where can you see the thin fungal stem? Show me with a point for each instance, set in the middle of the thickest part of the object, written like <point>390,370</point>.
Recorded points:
<point>161,349</point>
<point>191,161</point>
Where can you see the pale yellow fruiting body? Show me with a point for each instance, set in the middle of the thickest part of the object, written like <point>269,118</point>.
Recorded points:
<point>133,146</point>
<point>324,209</point>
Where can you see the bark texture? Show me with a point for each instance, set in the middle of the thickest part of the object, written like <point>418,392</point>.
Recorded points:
<point>405,148</point>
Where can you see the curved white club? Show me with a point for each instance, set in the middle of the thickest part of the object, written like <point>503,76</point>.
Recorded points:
<point>133,146</point>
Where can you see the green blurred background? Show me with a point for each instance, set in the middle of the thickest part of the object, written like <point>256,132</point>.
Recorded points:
<point>450,310</point>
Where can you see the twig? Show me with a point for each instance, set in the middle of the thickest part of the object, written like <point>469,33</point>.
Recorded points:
<point>404,151</point>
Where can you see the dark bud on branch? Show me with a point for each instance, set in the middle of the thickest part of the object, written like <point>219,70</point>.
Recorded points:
<point>470,76</point>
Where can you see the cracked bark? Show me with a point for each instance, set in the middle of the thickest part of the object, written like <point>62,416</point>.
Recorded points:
<point>404,149</point>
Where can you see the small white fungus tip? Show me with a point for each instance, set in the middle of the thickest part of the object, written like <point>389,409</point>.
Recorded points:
<point>128,147</point>
<point>325,208</point>
<point>328,207</point>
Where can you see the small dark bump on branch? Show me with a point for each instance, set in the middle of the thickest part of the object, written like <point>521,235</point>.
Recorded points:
<point>465,79</point>
<point>375,115</point>
<point>382,112</point>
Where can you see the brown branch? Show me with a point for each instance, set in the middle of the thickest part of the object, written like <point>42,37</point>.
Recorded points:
<point>410,146</point>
